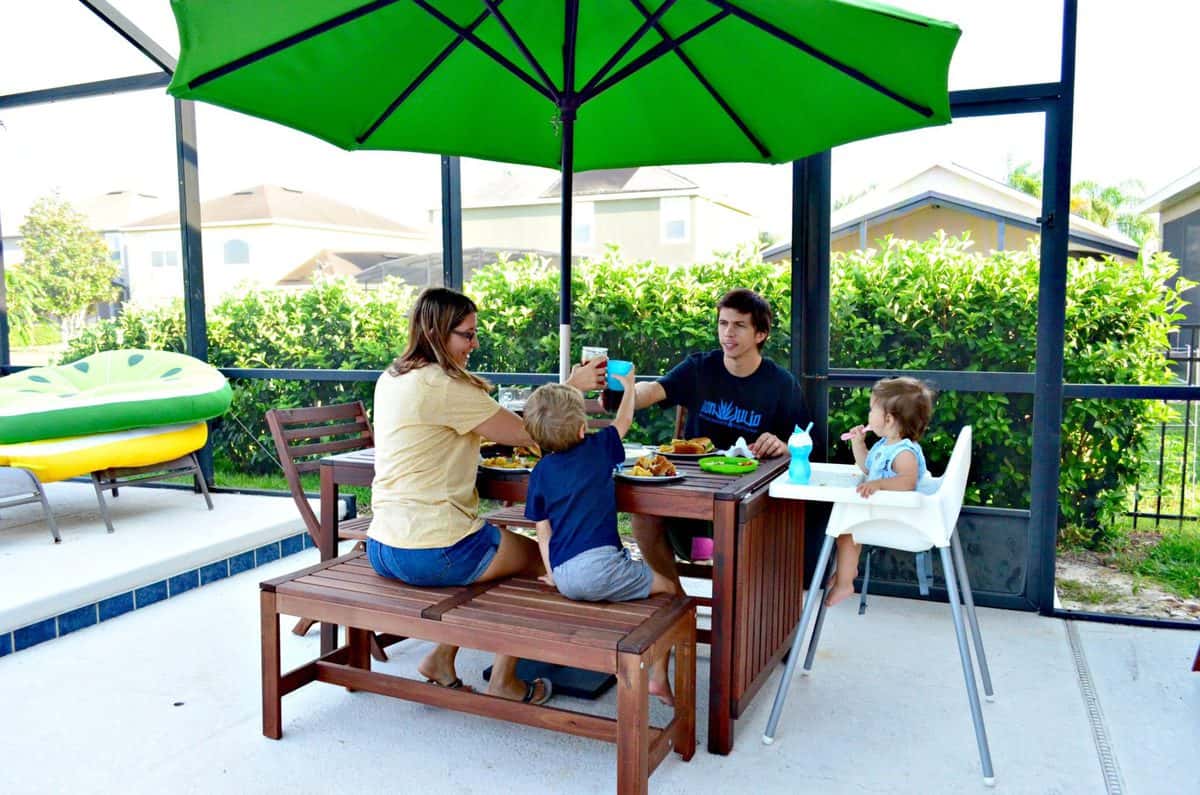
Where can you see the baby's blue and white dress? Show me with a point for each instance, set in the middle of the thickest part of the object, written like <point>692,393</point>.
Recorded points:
<point>879,466</point>
<point>882,454</point>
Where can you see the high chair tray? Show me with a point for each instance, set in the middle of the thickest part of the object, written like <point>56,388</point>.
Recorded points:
<point>835,483</point>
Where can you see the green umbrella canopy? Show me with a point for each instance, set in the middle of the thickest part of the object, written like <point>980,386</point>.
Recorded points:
<point>654,82</point>
<point>571,84</point>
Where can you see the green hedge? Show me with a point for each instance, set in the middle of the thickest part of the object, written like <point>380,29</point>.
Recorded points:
<point>931,305</point>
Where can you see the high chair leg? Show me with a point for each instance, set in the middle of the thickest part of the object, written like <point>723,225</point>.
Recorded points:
<point>960,565</point>
<point>816,636</point>
<point>810,603</point>
<point>964,653</point>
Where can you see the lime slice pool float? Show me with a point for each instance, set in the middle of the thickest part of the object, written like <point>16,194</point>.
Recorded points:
<point>728,465</point>
<point>110,391</point>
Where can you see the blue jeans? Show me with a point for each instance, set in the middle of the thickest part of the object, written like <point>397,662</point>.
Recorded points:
<point>460,564</point>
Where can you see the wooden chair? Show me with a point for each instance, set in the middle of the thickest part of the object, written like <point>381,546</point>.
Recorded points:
<point>302,438</point>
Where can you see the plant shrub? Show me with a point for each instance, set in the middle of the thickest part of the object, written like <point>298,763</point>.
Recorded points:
<point>930,305</point>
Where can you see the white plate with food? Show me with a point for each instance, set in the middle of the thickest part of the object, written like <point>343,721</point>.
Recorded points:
<point>504,463</point>
<point>686,448</point>
<point>653,480</point>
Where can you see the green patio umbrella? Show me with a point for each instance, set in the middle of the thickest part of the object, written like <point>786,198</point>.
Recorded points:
<point>572,84</point>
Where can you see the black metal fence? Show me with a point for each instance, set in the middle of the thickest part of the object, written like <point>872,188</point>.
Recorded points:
<point>1173,478</point>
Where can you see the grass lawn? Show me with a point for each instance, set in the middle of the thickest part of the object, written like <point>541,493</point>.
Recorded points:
<point>1168,555</point>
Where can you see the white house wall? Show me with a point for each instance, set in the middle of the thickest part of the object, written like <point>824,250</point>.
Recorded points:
<point>275,250</point>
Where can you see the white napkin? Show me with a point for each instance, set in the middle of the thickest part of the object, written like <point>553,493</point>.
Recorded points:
<point>739,448</point>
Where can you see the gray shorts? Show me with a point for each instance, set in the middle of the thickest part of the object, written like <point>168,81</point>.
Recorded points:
<point>603,574</point>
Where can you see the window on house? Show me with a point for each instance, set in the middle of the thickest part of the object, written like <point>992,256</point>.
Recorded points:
<point>164,259</point>
<point>674,214</point>
<point>237,252</point>
<point>583,219</point>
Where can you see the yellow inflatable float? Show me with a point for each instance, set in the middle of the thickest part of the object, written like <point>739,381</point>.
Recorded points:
<point>59,459</point>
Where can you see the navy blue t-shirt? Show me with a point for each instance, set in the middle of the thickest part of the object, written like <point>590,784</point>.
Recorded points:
<point>723,406</point>
<point>574,490</point>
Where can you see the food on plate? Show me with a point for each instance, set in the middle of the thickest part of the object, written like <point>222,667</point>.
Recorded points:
<point>694,446</point>
<point>509,462</point>
<point>652,466</point>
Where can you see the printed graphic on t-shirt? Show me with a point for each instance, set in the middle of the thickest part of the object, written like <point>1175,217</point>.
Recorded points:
<point>729,414</point>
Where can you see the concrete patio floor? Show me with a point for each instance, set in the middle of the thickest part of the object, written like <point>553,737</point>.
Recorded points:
<point>167,697</point>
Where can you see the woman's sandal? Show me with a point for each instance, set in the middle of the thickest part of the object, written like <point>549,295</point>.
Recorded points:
<point>531,688</point>
<point>457,684</point>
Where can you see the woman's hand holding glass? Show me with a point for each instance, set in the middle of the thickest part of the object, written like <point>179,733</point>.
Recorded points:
<point>590,375</point>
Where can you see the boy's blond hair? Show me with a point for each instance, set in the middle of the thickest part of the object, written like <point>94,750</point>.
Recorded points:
<point>907,399</point>
<point>554,414</point>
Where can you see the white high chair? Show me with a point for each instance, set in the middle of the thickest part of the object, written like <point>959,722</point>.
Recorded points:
<point>899,520</point>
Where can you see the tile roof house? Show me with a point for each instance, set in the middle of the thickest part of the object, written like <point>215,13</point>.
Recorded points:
<point>1178,208</point>
<point>256,237</point>
<point>950,197</point>
<point>650,212</point>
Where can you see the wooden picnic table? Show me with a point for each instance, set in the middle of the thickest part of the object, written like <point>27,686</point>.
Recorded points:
<point>757,571</point>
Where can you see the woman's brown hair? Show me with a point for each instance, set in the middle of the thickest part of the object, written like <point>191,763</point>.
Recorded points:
<point>909,400</point>
<point>437,312</point>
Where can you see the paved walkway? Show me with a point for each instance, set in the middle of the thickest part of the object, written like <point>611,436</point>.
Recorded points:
<point>166,698</point>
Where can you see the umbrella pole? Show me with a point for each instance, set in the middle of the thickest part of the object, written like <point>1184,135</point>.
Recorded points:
<point>568,193</point>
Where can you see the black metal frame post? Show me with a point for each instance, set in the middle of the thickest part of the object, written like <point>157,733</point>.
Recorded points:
<point>1051,324</point>
<point>811,219</point>
<point>195,323</point>
<point>452,253</point>
<point>4,349</point>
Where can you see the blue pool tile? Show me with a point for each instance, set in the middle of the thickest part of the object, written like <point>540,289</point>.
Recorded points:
<point>266,553</point>
<point>308,542</point>
<point>240,563</point>
<point>183,582</point>
<point>292,544</point>
<point>148,595</point>
<point>214,571</point>
<point>33,634</point>
<point>5,644</point>
<point>77,619</point>
<point>115,606</point>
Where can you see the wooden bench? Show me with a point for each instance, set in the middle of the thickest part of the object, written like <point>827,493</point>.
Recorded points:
<point>517,616</point>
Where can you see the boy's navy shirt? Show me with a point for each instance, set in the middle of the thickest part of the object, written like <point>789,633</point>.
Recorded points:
<point>723,406</point>
<point>574,489</point>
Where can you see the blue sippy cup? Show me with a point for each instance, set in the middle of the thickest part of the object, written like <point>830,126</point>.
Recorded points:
<point>800,446</point>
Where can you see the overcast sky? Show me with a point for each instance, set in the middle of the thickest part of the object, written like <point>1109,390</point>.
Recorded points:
<point>1135,115</point>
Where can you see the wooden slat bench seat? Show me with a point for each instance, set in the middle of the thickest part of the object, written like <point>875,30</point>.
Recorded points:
<point>517,616</point>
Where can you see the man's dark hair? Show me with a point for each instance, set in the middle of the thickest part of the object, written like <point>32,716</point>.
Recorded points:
<point>749,303</point>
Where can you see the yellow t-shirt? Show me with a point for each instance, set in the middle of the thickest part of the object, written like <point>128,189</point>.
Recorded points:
<point>426,456</point>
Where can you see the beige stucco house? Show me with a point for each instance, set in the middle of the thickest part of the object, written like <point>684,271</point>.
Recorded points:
<point>256,238</point>
<point>949,197</point>
<point>649,212</point>
<point>1177,206</point>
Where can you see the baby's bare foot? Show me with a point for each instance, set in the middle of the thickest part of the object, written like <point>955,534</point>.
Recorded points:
<point>662,689</point>
<point>838,593</point>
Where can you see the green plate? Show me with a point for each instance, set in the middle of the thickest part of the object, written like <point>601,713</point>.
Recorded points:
<point>728,465</point>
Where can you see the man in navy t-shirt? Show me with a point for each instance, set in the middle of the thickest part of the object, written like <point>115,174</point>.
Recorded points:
<point>729,392</point>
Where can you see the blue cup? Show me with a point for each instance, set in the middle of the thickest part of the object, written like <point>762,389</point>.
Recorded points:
<point>617,367</point>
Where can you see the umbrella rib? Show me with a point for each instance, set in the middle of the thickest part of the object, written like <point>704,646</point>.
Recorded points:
<point>419,79</point>
<point>290,41</point>
<point>487,50</point>
<point>651,55</point>
<point>626,47</point>
<point>494,7</point>
<point>825,58</point>
<point>709,87</point>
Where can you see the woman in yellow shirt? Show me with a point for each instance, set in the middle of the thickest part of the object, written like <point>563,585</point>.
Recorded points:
<point>430,417</point>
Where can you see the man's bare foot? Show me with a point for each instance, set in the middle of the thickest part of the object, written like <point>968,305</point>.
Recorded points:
<point>838,593</point>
